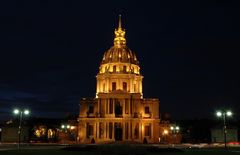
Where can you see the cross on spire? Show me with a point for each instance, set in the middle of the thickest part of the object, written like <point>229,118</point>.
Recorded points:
<point>119,21</point>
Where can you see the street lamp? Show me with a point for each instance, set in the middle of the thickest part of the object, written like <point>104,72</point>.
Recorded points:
<point>20,112</point>
<point>175,129</point>
<point>65,127</point>
<point>70,130</point>
<point>224,114</point>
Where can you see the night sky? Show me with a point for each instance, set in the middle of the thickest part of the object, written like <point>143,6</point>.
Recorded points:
<point>51,51</point>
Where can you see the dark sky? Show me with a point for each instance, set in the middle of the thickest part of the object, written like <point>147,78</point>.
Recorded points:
<point>51,51</point>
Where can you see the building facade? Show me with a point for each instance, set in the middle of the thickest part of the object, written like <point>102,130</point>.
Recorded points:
<point>119,112</point>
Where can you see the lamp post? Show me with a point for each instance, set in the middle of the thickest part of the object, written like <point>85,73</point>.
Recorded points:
<point>20,113</point>
<point>65,128</point>
<point>165,134</point>
<point>224,114</point>
<point>175,129</point>
<point>71,131</point>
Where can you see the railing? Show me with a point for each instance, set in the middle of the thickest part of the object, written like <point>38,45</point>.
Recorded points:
<point>118,115</point>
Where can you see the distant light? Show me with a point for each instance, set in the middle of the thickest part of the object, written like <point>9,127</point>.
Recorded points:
<point>16,111</point>
<point>63,126</point>
<point>177,128</point>
<point>26,112</point>
<point>72,127</point>
<point>68,126</point>
<point>219,114</point>
<point>229,113</point>
<point>171,127</point>
<point>165,132</point>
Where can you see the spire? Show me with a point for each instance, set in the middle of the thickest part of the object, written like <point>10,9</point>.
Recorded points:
<point>119,21</point>
<point>119,39</point>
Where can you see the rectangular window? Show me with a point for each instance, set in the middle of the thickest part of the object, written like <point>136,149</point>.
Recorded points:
<point>147,110</point>
<point>90,109</point>
<point>89,130</point>
<point>147,130</point>
<point>136,131</point>
<point>126,106</point>
<point>114,86</point>
<point>124,69</point>
<point>131,100</point>
<point>111,106</point>
<point>100,107</point>
<point>126,130</point>
<point>114,69</point>
<point>107,102</point>
<point>110,130</point>
<point>125,86</point>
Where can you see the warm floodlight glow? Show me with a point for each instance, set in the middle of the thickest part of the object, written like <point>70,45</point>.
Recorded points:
<point>26,112</point>
<point>72,127</point>
<point>219,114</point>
<point>165,132</point>
<point>229,113</point>
<point>16,111</point>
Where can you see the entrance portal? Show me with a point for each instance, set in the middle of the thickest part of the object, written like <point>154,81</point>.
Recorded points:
<point>118,131</point>
<point>118,109</point>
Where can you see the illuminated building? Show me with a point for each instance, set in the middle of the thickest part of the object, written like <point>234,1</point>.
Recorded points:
<point>119,112</point>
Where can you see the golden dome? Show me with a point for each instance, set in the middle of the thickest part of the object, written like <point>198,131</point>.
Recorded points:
<point>119,52</point>
<point>122,54</point>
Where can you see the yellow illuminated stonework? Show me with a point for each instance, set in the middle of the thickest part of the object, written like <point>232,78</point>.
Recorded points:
<point>119,112</point>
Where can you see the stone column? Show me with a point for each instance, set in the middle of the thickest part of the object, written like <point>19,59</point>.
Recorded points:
<point>130,130</point>
<point>118,84</point>
<point>141,134</point>
<point>129,104</point>
<point>123,107</point>
<point>151,130</point>
<point>123,131</point>
<point>140,85</point>
<point>113,106</point>
<point>131,85</point>
<point>98,106</point>
<point>106,105</point>
<point>96,131</point>
<point>113,130</point>
<point>106,136</point>
<point>107,85</point>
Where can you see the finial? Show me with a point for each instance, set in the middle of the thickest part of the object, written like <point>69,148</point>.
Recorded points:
<point>120,21</point>
<point>119,39</point>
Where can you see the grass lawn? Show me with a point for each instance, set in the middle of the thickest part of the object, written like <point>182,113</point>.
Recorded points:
<point>112,150</point>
